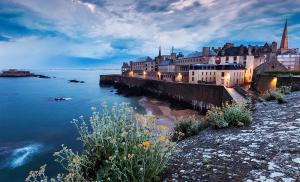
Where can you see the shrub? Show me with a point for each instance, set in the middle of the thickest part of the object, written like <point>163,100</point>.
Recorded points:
<point>285,72</point>
<point>237,114</point>
<point>272,96</point>
<point>281,100</point>
<point>215,117</point>
<point>117,146</point>
<point>234,114</point>
<point>277,95</point>
<point>187,127</point>
<point>284,90</point>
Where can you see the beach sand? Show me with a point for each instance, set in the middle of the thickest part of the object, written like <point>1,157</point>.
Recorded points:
<point>165,113</point>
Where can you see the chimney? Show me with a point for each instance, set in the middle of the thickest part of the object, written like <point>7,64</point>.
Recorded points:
<point>274,47</point>
<point>205,51</point>
<point>241,50</point>
<point>249,50</point>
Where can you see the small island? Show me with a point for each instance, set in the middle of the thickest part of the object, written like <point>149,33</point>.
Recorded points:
<point>20,73</point>
<point>75,81</point>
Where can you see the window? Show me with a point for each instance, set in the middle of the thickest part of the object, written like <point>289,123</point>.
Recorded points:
<point>235,58</point>
<point>192,79</point>
<point>193,73</point>
<point>227,59</point>
<point>223,74</point>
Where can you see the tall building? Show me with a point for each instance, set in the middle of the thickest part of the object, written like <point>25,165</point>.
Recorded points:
<point>290,58</point>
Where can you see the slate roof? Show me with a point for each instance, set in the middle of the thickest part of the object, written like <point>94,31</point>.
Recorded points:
<point>234,51</point>
<point>145,59</point>
<point>198,54</point>
<point>227,66</point>
<point>166,62</point>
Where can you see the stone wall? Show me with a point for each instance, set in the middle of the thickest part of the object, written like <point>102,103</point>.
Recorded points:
<point>197,96</point>
<point>267,82</point>
<point>109,79</point>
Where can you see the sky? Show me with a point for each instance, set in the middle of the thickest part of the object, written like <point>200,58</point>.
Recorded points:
<point>62,33</point>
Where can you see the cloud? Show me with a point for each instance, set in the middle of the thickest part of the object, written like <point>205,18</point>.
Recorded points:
<point>100,29</point>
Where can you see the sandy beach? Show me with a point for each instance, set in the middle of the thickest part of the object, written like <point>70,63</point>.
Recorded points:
<point>166,114</point>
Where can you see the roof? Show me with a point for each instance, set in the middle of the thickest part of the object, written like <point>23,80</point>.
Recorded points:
<point>228,66</point>
<point>234,51</point>
<point>145,59</point>
<point>198,54</point>
<point>166,62</point>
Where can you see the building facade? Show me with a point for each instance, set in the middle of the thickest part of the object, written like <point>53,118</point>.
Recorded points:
<point>228,75</point>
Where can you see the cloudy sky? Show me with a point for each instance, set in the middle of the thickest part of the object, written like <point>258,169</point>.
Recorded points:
<point>42,33</point>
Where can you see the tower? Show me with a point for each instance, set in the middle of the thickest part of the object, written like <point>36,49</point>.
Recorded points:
<point>284,45</point>
<point>159,52</point>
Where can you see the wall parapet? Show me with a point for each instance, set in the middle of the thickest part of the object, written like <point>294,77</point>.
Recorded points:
<point>197,96</point>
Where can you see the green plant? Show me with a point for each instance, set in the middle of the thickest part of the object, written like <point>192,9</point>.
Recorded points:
<point>277,95</point>
<point>272,95</point>
<point>215,117</point>
<point>284,90</point>
<point>186,127</point>
<point>231,114</point>
<point>118,145</point>
<point>281,100</point>
<point>237,114</point>
<point>285,72</point>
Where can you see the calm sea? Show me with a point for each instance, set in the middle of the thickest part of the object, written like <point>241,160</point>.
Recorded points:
<point>33,126</point>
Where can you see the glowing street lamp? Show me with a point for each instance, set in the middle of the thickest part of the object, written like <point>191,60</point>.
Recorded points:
<point>179,77</point>
<point>131,74</point>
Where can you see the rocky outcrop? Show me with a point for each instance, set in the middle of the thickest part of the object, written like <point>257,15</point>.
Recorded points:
<point>13,73</point>
<point>267,150</point>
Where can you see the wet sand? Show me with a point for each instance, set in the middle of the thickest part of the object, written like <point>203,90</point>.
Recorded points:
<point>166,115</point>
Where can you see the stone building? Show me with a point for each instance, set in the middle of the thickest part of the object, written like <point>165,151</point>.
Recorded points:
<point>142,67</point>
<point>168,71</point>
<point>125,69</point>
<point>229,74</point>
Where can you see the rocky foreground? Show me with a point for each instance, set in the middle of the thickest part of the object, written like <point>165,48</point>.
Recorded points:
<point>267,150</point>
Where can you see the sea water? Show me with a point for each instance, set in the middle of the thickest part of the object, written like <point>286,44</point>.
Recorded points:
<point>33,125</point>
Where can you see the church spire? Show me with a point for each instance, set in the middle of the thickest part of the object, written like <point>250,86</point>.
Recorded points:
<point>159,52</point>
<point>284,40</point>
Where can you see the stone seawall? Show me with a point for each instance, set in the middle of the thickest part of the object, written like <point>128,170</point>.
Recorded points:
<point>197,96</point>
<point>271,82</point>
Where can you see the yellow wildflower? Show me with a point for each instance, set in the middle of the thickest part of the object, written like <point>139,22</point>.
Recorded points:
<point>146,145</point>
<point>162,138</point>
<point>130,156</point>
<point>76,160</point>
